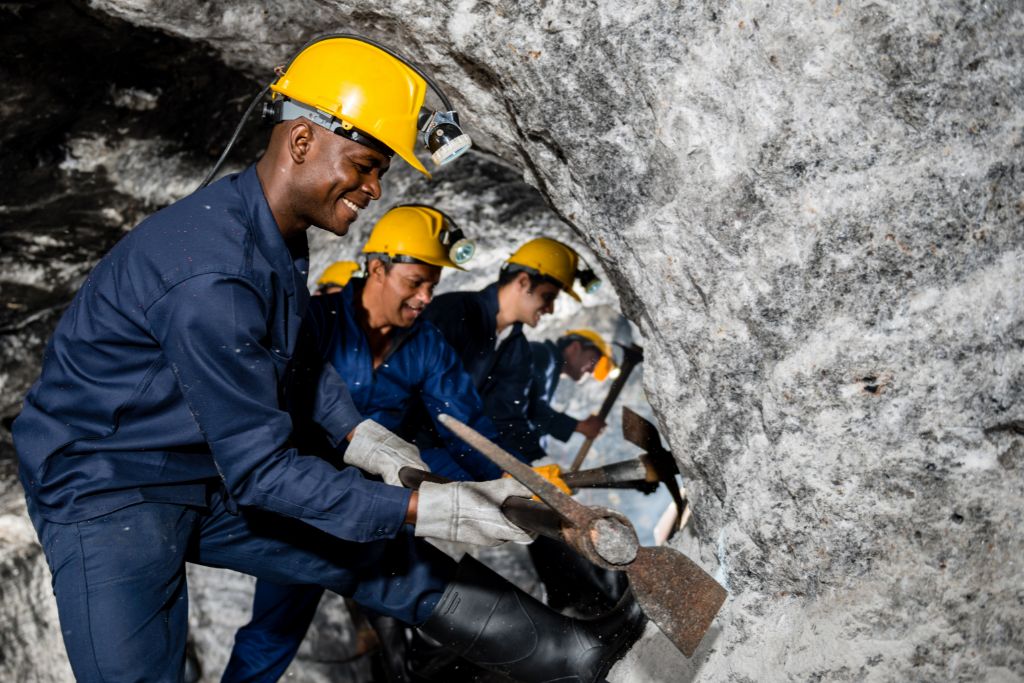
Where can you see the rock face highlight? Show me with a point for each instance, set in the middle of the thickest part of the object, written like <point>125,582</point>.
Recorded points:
<point>813,213</point>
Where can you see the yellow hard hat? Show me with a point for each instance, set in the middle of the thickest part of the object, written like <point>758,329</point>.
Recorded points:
<point>361,85</point>
<point>607,363</point>
<point>550,258</point>
<point>338,273</point>
<point>416,233</point>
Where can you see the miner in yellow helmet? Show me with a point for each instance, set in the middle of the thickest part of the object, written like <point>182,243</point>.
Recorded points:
<point>335,277</point>
<point>162,432</point>
<point>576,354</point>
<point>486,329</point>
<point>373,333</point>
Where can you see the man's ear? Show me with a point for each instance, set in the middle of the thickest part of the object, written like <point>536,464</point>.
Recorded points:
<point>300,140</point>
<point>375,268</point>
<point>574,350</point>
<point>523,281</point>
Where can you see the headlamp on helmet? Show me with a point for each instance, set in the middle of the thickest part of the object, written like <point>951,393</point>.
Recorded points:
<point>460,248</point>
<point>588,279</point>
<point>442,135</point>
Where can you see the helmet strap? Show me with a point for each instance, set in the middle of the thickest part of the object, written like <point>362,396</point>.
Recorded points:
<point>397,258</point>
<point>288,109</point>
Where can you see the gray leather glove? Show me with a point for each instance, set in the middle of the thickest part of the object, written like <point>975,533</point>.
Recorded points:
<point>469,512</point>
<point>376,450</point>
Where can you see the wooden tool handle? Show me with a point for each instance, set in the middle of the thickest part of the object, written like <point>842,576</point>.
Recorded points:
<point>581,454</point>
<point>634,355</point>
<point>632,473</point>
<point>534,516</point>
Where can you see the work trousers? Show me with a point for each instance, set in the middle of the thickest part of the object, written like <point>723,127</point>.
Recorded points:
<point>281,615</point>
<point>120,585</point>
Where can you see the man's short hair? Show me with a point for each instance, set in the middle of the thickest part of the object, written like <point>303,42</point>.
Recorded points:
<point>508,273</point>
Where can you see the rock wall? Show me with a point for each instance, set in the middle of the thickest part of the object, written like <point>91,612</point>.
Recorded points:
<point>812,211</point>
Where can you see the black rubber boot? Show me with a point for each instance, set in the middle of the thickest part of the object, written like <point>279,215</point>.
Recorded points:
<point>493,624</point>
<point>573,582</point>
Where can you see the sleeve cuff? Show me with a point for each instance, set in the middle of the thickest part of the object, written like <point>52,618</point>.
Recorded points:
<point>336,412</point>
<point>388,511</point>
<point>562,426</point>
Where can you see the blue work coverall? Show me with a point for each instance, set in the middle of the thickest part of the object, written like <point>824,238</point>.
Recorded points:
<point>547,370</point>
<point>419,364</point>
<point>501,372</point>
<point>504,375</point>
<point>157,434</point>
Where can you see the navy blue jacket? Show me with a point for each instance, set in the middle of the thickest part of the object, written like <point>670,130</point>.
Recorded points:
<point>419,364</point>
<point>547,370</point>
<point>167,373</point>
<point>502,375</point>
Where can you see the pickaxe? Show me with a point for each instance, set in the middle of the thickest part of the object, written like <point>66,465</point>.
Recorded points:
<point>644,472</point>
<point>676,594</point>
<point>642,433</point>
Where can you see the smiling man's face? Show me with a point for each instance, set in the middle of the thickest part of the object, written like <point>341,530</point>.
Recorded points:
<point>405,290</point>
<point>341,178</point>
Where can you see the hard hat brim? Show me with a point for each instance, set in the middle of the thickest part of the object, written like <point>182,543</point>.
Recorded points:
<point>574,295</point>
<point>411,159</point>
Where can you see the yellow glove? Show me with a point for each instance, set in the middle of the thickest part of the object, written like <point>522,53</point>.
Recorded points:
<point>553,473</point>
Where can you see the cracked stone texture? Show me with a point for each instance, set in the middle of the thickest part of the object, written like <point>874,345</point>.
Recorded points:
<point>814,213</point>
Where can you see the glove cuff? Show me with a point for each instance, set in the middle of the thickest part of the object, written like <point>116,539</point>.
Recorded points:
<point>434,512</point>
<point>367,435</point>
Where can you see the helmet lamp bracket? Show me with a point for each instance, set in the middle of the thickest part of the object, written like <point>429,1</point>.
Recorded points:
<point>588,279</point>
<point>461,249</point>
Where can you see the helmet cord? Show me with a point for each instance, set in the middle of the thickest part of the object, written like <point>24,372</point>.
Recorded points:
<point>234,137</point>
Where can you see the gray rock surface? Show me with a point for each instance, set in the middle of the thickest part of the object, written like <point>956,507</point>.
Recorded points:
<point>814,213</point>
